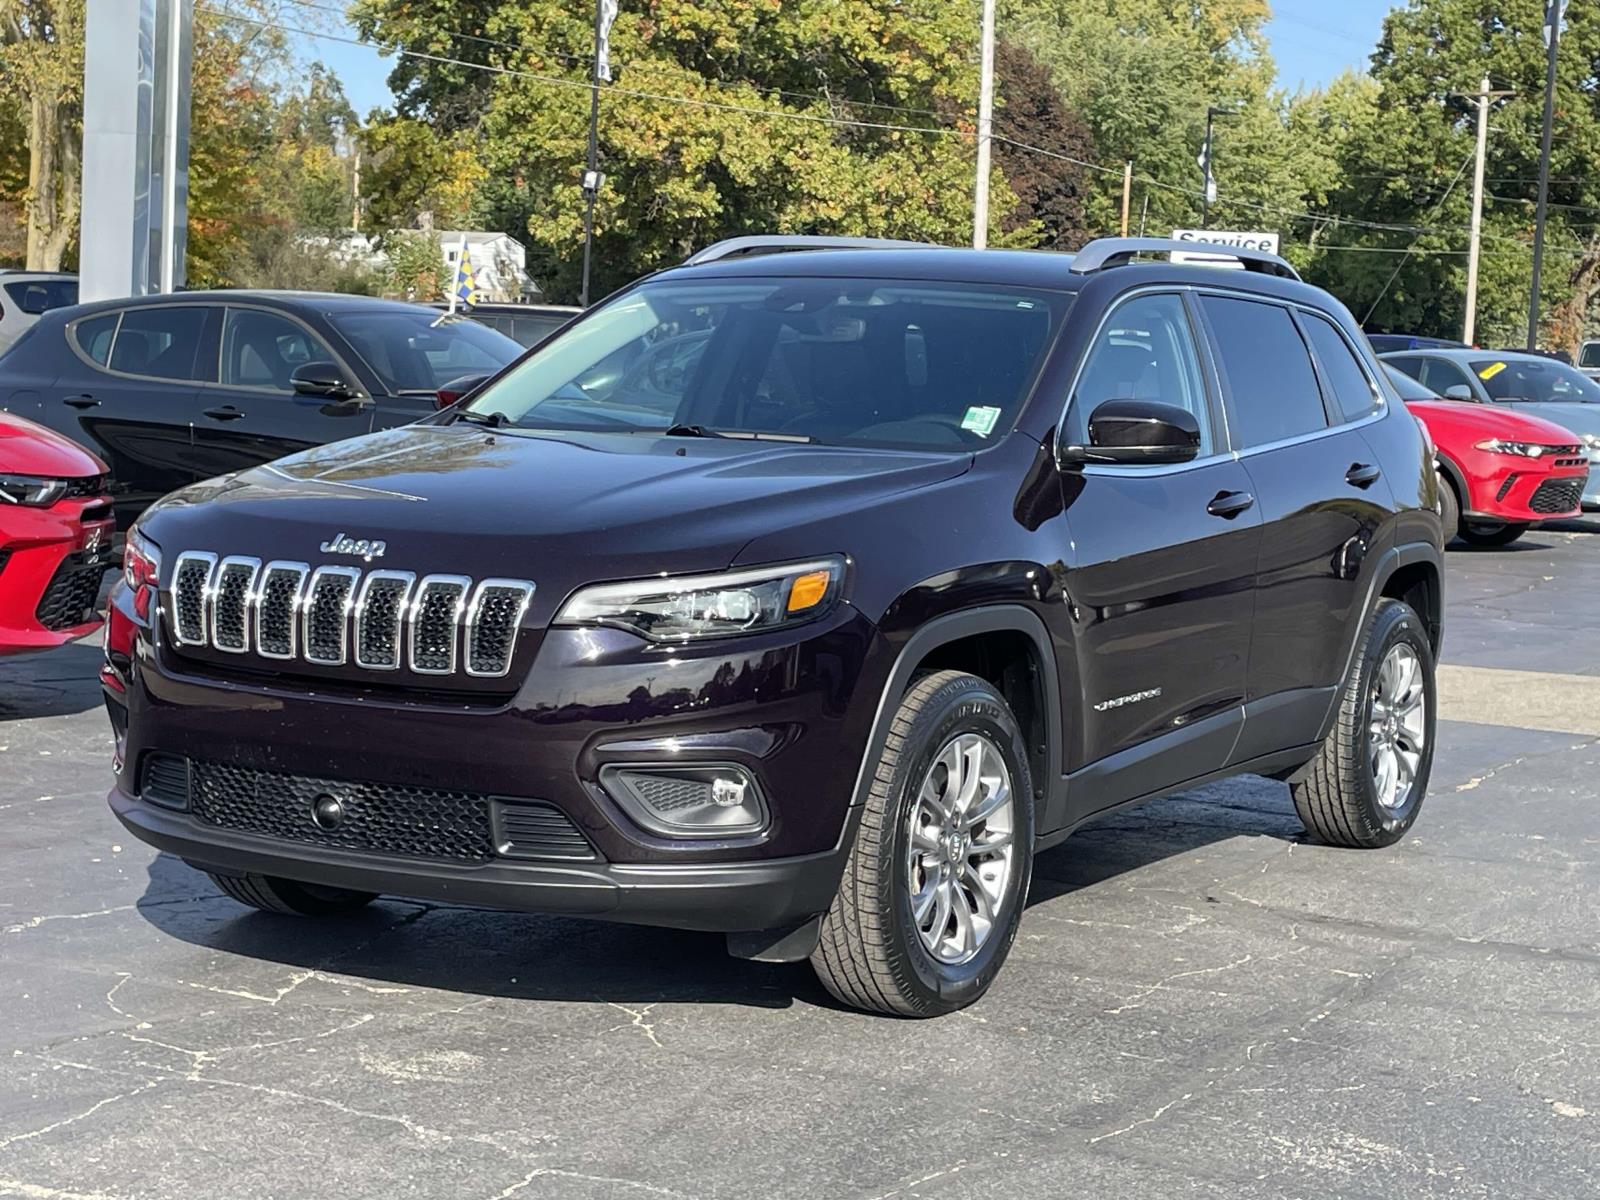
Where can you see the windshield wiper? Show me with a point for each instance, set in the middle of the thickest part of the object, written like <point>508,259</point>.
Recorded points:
<point>494,420</point>
<point>690,431</point>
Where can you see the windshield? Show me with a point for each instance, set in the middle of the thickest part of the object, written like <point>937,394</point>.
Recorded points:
<point>1408,387</point>
<point>412,355</point>
<point>1541,381</point>
<point>840,361</point>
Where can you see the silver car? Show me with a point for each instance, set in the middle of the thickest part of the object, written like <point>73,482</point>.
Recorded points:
<point>1530,383</point>
<point>25,295</point>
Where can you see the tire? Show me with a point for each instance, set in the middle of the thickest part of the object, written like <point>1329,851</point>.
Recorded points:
<point>873,953</point>
<point>1449,508</point>
<point>1492,533</point>
<point>272,894</point>
<point>1338,795</point>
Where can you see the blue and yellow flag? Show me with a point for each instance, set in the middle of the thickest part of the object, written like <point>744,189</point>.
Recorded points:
<point>466,289</point>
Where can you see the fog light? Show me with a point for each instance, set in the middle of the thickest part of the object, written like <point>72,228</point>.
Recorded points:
<point>709,800</point>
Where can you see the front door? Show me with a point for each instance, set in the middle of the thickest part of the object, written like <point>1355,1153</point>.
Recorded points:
<point>1160,574</point>
<point>252,414</point>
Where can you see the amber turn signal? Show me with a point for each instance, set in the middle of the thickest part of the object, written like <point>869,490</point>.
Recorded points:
<point>809,590</point>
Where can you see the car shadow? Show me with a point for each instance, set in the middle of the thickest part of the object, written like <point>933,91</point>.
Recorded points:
<point>520,956</point>
<point>50,683</point>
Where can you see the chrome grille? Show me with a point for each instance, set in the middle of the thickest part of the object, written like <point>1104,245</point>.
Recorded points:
<point>325,622</point>
<point>380,620</point>
<point>278,608</point>
<point>380,615</point>
<point>492,620</point>
<point>441,599</point>
<point>231,598</point>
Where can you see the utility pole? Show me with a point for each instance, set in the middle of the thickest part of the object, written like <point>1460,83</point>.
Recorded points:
<point>1555,12</point>
<point>980,197</point>
<point>1208,178</point>
<point>605,12</point>
<point>1483,96</point>
<point>1127,193</point>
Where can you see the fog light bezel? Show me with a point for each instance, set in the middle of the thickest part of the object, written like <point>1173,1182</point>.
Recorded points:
<point>613,780</point>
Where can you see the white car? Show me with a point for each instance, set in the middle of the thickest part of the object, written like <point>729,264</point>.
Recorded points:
<point>26,295</point>
<point>1589,358</point>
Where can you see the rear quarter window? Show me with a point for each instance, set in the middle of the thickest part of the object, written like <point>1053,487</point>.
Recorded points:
<point>93,337</point>
<point>1353,392</point>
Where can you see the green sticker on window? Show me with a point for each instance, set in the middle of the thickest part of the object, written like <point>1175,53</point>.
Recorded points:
<point>981,420</point>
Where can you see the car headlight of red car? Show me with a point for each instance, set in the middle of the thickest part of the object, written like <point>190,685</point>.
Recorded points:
<point>32,490</point>
<point>1520,449</point>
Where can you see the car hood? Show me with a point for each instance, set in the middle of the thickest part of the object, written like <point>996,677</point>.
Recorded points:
<point>561,509</point>
<point>1580,418</point>
<point>1448,420</point>
<point>29,449</point>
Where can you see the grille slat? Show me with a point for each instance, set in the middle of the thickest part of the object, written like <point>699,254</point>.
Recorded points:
<point>333,615</point>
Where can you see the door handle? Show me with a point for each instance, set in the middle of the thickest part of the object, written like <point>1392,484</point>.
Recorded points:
<point>226,413</point>
<point>1362,475</point>
<point>84,401</point>
<point>1230,504</point>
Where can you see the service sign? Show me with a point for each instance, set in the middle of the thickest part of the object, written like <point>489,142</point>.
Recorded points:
<point>1245,240</point>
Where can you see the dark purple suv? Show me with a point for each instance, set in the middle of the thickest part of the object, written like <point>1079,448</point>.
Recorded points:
<point>802,597</point>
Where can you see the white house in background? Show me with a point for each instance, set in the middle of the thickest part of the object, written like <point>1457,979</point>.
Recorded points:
<point>499,264</point>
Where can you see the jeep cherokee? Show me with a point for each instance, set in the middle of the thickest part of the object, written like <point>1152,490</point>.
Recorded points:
<point>802,597</point>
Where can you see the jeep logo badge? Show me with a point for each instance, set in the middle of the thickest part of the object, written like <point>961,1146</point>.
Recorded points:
<point>343,543</point>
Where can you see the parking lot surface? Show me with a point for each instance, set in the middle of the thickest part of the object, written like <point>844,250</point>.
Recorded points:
<point>1200,1003</point>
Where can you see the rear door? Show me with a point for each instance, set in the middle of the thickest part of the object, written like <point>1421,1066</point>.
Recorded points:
<point>1296,416</point>
<point>1161,581</point>
<point>131,394</point>
<point>251,414</point>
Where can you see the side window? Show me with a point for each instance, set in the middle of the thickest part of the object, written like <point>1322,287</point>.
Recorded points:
<point>262,349</point>
<point>1589,356</point>
<point>1145,351</point>
<point>94,337</point>
<point>1408,365</point>
<point>1440,375</point>
<point>1272,387</point>
<point>1352,390</point>
<point>161,341</point>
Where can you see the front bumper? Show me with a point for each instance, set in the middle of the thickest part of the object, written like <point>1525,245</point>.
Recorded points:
<point>52,563</point>
<point>716,897</point>
<point>1527,491</point>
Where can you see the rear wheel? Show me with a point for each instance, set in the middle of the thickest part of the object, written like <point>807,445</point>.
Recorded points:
<point>1449,508</point>
<point>272,894</point>
<point>1492,533</point>
<point>936,881</point>
<point>1366,785</point>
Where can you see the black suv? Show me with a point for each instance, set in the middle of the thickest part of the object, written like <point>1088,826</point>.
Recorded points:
<point>910,563</point>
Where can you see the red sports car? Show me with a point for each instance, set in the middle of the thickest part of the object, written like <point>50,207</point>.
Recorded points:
<point>1500,472</point>
<point>55,537</point>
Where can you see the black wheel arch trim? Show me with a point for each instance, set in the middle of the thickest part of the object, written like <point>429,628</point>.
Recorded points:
<point>1448,468</point>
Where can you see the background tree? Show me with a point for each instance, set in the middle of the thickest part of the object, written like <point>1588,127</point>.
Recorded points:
<point>1051,191</point>
<point>41,80</point>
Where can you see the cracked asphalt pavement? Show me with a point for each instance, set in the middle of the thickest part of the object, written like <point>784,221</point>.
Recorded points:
<point>1201,1002</point>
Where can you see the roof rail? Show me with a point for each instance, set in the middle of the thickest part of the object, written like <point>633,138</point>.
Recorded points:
<point>749,247</point>
<point>1117,252</point>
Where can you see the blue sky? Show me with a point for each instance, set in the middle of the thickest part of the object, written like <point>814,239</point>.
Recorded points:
<point>1312,40</point>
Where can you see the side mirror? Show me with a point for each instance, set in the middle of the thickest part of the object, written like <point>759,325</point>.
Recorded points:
<point>1138,431</point>
<point>459,389</point>
<point>1460,391</point>
<point>322,379</point>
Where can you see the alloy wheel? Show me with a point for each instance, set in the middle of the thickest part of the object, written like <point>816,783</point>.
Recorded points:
<point>1397,726</point>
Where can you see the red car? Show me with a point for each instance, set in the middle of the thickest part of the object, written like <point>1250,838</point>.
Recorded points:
<point>1500,472</point>
<point>56,527</point>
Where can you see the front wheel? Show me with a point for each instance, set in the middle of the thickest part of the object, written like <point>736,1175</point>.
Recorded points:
<point>1449,507</point>
<point>1366,785</point>
<point>936,880</point>
<point>1492,533</point>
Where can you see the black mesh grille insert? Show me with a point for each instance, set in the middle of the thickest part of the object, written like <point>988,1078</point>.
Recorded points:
<point>433,631</point>
<point>230,623</point>
<point>72,593</point>
<point>413,822</point>
<point>189,598</point>
<point>497,611</point>
<point>327,610</point>
<point>1558,495</point>
<point>378,618</point>
<point>277,610</point>
<point>664,793</point>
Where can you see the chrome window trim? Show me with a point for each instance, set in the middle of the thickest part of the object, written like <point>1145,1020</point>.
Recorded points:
<point>303,570</point>
<point>409,579</point>
<point>471,622</point>
<point>215,588</point>
<point>107,369</point>
<point>415,611</point>
<point>353,574</point>
<point>210,560</point>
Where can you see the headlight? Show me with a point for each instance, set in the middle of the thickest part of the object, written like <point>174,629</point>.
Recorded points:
<point>1520,449</point>
<point>707,606</point>
<point>32,490</point>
